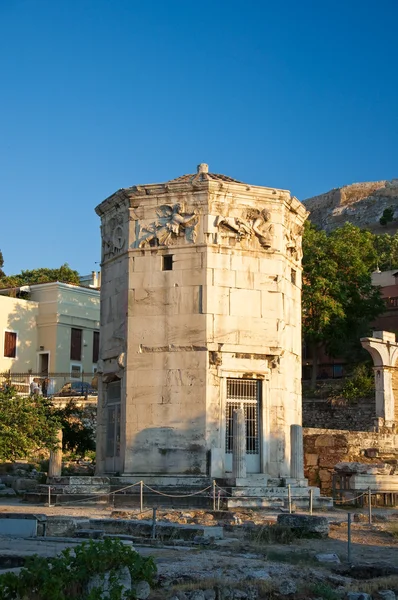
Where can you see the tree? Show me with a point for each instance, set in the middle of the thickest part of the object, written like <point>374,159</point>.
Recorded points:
<point>1,265</point>
<point>78,428</point>
<point>27,425</point>
<point>339,301</point>
<point>64,274</point>
<point>387,216</point>
<point>386,247</point>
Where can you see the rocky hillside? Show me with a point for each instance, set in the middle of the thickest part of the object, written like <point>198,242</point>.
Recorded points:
<point>362,204</point>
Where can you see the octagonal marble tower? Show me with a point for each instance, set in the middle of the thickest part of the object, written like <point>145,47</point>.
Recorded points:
<point>200,315</point>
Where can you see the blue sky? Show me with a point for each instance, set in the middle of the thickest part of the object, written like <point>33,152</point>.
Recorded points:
<point>103,94</point>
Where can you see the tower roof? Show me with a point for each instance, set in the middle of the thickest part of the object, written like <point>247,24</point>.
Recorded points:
<point>202,174</point>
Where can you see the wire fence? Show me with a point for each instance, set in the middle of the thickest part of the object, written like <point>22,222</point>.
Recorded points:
<point>215,495</point>
<point>215,491</point>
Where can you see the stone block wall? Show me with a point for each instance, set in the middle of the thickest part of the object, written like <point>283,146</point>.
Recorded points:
<point>324,448</point>
<point>355,416</point>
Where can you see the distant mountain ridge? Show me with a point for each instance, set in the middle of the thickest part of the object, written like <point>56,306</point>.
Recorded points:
<point>361,204</point>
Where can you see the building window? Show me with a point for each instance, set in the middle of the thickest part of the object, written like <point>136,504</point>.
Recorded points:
<point>76,344</point>
<point>10,344</point>
<point>167,262</point>
<point>95,346</point>
<point>293,276</point>
<point>75,371</point>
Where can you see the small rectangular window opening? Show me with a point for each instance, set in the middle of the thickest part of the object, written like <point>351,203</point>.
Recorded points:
<point>167,262</point>
<point>293,276</point>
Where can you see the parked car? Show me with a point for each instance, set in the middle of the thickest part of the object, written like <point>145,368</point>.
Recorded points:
<point>77,388</point>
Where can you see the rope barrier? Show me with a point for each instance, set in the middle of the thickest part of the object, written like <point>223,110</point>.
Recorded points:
<point>99,494</point>
<point>177,495</point>
<point>349,499</point>
<point>222,489</point>
<point>123,489</point>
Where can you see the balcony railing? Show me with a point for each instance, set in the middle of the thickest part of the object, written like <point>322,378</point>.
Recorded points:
<point>62,385</point>
<point>392,303</point>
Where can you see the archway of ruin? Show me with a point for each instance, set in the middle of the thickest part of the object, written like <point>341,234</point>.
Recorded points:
<point>384,352</point>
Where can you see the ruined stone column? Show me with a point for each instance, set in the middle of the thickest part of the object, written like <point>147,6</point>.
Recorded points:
<point>296,452</point>
<point>55,464</point>
<point>384,351</point>
<point>238,444</point>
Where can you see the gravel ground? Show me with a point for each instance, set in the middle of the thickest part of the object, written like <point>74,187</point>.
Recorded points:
<point>369,542</point>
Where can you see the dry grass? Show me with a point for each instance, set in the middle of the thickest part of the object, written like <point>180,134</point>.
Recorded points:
<point>265,587</point>
<point>271,534</point>
<point>317,590</point>
<point>373,585</point>
<point>392,528</point>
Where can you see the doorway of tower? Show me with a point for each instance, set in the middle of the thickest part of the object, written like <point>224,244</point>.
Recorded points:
<point>245,394</point>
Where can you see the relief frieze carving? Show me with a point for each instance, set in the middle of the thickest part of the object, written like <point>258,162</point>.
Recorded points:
<point>293,242</point>
<point>256,225</point>
<point>172,223</point>
<point>113,236</point>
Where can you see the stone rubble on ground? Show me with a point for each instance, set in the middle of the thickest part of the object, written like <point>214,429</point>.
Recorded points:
<point>306,524</point>
<point>385,595</point>
<point>328,558</point>
<point>141,590</point>
<point>287,587</point>
<point>102,582</point>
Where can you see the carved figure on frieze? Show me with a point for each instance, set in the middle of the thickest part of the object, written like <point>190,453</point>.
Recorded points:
<point>256,225</point>
<point>171,223</point>
<point>293,243</point>
<point>113,236</point>
<point>263,229</point>
<point>235,225</point>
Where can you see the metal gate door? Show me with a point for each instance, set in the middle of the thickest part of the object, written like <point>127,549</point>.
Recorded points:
<point>245,394</point>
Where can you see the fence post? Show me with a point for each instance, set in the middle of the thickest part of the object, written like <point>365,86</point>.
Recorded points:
<point>141,496</point>
<point>154,522</point>
<point>370,505</point>
<point>349,537</point>
<point>218,499</point>
<point>49,495</point>
<point>311,500</point>
<point>214,494</point>
<point>289,496</point>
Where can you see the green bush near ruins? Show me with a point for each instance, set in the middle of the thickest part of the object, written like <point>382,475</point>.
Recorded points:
<point>339,301</point>
<point>67,576</point>
<point>27,425</point>
<point>360,384</point>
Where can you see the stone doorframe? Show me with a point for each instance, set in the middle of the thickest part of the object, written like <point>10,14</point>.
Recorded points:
<point>262,375</point>
<point>384,352</point>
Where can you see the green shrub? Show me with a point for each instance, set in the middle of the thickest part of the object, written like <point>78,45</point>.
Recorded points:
<point>387,217</point>
<point>66,576</point>
<point>359,385</point>
<point>324,591</point>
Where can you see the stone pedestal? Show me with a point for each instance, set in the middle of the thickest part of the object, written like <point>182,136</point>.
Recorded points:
<point>296,452</point>
<point>239,444</point>
<point>55,464</point>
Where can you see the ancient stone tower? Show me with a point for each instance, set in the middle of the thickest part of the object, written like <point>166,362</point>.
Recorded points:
<point>200,315</point>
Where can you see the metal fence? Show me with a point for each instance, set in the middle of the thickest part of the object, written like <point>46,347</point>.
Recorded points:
<point>51,384</point>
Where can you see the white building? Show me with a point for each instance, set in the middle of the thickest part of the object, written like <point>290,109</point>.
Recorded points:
<point>49,328</point>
